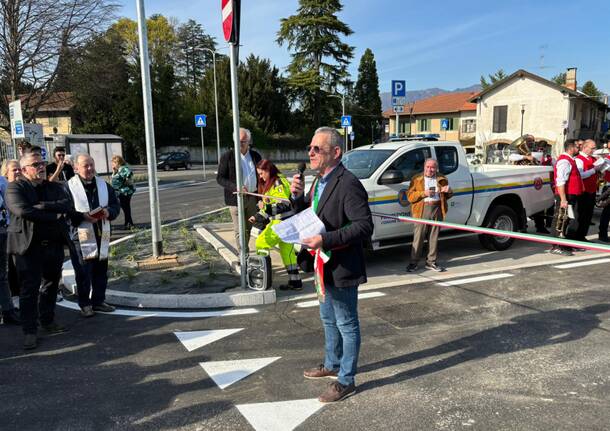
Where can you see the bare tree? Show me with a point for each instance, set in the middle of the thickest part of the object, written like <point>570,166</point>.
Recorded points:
<point>34,36</point>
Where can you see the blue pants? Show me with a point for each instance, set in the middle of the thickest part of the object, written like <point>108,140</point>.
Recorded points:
<point>339,315</point>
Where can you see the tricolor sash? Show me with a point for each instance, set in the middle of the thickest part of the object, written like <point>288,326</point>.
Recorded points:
<point>86,230</point>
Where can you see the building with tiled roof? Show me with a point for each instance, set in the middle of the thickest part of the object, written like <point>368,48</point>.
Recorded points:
<point>427,115</point>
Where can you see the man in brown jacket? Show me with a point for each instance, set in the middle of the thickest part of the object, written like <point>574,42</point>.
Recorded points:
<point>428,194</point>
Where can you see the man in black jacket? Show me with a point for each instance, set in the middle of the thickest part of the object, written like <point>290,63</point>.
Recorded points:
<point>340,201</point>
<point>91,234</point>
<point>36,237</point>
<point>227,175</point>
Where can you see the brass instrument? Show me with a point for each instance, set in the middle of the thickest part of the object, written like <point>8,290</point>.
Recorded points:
<point>561,225</point>
<point>520,146</point>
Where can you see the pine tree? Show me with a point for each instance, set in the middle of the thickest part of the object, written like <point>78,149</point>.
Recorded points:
<point>193,55</point>
<point>590,89</point>
<point>493,78</point>
<point>319,58</point>
<point>559,79</point>
<point>366,95</point>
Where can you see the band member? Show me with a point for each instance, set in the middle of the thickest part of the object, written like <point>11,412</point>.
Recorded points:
<point>568,188</point>
<point>586,202</point>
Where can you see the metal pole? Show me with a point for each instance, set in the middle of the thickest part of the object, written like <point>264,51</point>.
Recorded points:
<point>216,107</point>
<point>238,172</point>
<point>202,153</point>
<point>153,192</point>
<point>397,124</point>
<point>343,114</point>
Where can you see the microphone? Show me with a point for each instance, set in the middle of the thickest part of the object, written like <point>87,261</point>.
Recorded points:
<point>301,169</point>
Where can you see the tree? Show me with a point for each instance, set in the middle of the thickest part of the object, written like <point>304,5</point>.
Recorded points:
<point>35,35</point>
<point>498,76</point>
<point>262,94</point>
<point>366,95</point>
<point>193,55</point>
<point>559,79</point>
<point>319,59</point>
<point>590,89</point>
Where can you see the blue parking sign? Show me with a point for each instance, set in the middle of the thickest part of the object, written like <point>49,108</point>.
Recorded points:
<point>200,120</point>
<point>399,89</point>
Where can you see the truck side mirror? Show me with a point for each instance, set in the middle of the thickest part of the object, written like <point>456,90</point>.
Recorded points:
<point>391,176</point>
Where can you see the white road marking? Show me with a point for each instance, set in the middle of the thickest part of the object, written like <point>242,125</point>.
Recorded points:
<point>279,416</point>
<point>193,340</point>
<point>584,263</point>
<point>225,373</point>
<point>173,314</point>
<point>475,279</point>
<point>365,295</point>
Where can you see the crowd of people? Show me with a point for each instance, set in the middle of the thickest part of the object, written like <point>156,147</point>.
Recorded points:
<point>49,211</point>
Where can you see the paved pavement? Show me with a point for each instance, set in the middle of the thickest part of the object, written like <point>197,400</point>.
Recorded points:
<point>527,352</point>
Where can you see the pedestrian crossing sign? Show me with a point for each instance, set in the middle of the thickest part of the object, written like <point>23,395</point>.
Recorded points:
<point>200,120</point>
<point>346,121</point>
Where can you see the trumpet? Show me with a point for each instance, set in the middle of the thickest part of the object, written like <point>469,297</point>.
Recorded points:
<point>561,224</point>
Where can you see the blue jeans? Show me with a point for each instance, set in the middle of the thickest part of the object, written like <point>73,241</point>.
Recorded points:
<point>339,315</point>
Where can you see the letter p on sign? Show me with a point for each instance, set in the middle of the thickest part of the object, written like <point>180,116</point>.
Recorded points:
<point>399,89</point>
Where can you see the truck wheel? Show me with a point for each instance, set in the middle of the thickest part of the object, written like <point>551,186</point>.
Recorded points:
<point>166,168</point>
<point>503,218</point>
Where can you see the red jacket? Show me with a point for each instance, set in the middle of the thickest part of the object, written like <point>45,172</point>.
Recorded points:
<point>574,185</point>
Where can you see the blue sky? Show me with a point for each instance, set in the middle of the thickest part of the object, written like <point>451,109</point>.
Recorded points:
<point>434,43</point>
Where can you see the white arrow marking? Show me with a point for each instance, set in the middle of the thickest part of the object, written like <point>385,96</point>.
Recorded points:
<point>280,416</point>
<point>195,339</point>
<point>225,373</point>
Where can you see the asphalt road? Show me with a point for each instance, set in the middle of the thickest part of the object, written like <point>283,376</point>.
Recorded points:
<point>528,352</point>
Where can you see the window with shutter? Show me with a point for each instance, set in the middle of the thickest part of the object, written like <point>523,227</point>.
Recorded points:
<point>500,118</point>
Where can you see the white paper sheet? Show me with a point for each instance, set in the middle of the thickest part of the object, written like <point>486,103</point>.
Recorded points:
<point>302,225</point>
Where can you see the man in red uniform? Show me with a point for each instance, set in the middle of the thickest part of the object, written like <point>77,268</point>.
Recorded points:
<point>586,202</point>
<point>604,219</point>
<point>568,187</point>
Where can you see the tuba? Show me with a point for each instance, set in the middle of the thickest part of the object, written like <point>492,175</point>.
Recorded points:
<point>520,146</point>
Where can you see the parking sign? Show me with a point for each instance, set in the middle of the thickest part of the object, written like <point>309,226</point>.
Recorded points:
<point>399,89</point>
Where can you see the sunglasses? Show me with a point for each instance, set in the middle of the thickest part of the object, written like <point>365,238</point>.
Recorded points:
<point>37,165</point>
<point>315,148</point>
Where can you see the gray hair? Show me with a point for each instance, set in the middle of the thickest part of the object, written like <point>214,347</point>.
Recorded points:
<point>23,160</point>
<point>430,159</point>
<point>335,137</point>
<point>247,133</point>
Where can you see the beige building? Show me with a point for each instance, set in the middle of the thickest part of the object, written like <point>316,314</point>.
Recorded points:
<point>524,103</point>
<point>425,116</point>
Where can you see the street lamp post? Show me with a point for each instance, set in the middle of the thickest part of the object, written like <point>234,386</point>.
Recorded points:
<point>342,96</point>
<point>215,105</point>
<point>522,113</point>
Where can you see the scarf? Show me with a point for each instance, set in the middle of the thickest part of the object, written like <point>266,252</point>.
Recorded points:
<point>86,231</point>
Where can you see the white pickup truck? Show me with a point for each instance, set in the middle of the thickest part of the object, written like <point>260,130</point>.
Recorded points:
<point>497,196</point>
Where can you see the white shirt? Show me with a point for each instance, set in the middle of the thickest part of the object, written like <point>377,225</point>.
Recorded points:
<point>430,182</point>
<point>249,171</point>
<point>581,167</point>
<point>563,168</point>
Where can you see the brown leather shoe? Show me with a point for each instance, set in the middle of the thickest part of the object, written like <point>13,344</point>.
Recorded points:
<point>319,373</point>
<point>336,392</point>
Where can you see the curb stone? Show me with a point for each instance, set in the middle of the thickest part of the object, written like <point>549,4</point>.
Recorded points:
<point>207,300</point>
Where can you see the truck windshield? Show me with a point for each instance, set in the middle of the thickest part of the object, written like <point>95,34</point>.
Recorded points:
<point>362,163</point>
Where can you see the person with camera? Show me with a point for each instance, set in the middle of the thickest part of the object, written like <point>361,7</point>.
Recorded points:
<point>428,194</point>
<point>61,169</point>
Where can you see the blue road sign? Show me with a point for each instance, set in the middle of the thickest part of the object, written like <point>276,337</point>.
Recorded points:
<point>346,121</point>
<point>399,89</point>
<point>200,120</point>
<point>352,136</point>
<point>43,153</point>
<point>18,128</point>
<point>444,123</point>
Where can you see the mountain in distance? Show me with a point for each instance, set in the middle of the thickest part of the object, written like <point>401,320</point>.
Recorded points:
<point>386,98</point>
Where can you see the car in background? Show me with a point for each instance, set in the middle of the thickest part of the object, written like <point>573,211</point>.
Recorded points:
<point>174,160</point>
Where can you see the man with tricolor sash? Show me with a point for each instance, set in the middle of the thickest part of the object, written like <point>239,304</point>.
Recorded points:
<point>95,205</point>
<point>341,202</point>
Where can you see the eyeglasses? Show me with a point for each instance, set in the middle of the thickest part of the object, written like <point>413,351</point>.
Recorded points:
<point>37,165</point>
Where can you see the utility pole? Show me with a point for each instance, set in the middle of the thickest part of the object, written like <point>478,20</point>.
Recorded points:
<point>149,129</point>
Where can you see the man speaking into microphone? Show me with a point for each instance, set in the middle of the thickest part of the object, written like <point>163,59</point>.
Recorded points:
<point>341,203</point>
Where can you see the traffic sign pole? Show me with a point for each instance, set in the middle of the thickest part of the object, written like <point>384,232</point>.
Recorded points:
<point>202,152</point>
